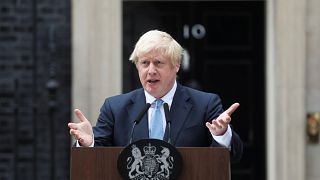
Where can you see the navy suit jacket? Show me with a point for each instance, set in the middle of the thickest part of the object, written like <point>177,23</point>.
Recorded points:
<point>189,112</point>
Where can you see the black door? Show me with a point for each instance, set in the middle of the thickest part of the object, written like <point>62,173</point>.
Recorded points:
<point>224,43</point>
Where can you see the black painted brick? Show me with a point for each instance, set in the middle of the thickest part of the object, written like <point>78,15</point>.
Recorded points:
<point>29,46</point>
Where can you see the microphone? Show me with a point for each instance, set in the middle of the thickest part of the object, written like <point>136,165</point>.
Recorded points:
<point>166,113</point>
<point>138,119</point>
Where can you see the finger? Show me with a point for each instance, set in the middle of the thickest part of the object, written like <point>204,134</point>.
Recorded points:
<point>211,128</point>
<point>216,124</point>
<point>75,134</point>
<point>225,119</point>
<point>232,108</point>
<point>223,123</point>
<point>80,116</point>
<point>73,126</point>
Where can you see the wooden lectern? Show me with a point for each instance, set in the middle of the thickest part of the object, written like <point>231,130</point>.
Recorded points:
<point>101,163</point>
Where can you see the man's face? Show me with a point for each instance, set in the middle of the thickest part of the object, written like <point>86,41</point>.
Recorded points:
<point>156,73</point>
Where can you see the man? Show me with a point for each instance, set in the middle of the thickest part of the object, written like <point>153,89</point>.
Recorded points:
<point>197,118</point>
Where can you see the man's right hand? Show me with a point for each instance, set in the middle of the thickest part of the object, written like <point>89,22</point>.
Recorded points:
<point>81,131</point>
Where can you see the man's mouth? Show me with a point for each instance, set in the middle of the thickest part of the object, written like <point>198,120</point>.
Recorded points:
<point>152,81</point>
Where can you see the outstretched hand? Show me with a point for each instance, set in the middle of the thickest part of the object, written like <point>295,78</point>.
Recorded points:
<point>81,131</point>
<point>219,125</point>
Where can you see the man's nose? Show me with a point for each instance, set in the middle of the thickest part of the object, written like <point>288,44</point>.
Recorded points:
<point>152,69</point>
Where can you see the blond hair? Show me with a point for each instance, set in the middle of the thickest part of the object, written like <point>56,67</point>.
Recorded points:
<point>156,40</point>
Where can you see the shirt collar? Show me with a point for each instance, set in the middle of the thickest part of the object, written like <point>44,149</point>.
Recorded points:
<point>166,98</point>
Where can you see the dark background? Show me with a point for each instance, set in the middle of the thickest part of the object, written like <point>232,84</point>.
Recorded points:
<point>35,73</point>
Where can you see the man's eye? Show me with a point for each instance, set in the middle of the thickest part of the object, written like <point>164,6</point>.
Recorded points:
<point>144,62</point>
<point>158,62</point>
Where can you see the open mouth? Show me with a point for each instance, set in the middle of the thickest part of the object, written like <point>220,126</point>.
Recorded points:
<point>152,81</point>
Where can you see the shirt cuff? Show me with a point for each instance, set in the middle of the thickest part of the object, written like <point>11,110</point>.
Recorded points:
<point>78,144</point>
<point>225,139</point>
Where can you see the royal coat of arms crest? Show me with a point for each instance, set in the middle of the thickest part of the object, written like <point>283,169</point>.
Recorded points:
<point>149,162</point>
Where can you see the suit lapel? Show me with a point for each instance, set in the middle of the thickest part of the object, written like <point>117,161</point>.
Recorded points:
<point>179,112</point>
<point>138,103</point>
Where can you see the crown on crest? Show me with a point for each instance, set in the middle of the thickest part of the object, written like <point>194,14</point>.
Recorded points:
<point>133,146</point>
<point>149,150</point>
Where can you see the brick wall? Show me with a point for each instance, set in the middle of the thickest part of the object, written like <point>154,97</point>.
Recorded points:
<point>35,82</point>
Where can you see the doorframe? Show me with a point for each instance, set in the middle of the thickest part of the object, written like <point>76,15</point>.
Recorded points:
<point>285,82</point>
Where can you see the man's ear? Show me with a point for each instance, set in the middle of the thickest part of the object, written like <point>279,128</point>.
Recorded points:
<point>177,67</point>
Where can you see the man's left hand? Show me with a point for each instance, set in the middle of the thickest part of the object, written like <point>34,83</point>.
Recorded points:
<point>219,125</point>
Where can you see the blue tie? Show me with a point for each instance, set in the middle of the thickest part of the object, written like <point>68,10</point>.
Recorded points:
<point>156,121</point>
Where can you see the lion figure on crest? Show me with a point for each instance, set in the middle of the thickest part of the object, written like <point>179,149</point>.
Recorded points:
<point>136,164</point>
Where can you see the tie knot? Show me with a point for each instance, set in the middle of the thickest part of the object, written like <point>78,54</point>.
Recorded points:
<point>158,103</point>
